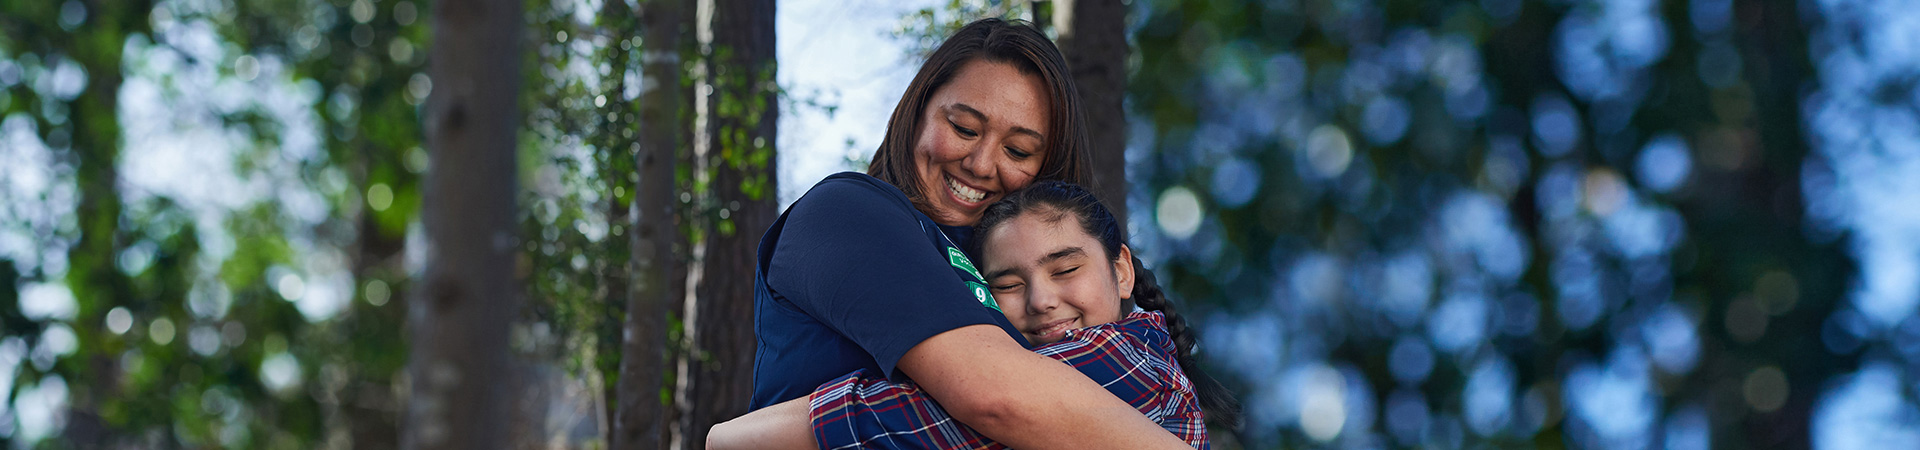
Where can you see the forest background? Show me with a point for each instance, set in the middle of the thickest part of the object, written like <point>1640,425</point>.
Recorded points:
<point>1454,224</point>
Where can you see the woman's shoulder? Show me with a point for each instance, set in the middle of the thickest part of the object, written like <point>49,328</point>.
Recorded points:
<point>853,186</point>
<point>850,199</point>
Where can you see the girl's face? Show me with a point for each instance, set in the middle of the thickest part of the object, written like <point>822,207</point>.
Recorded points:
<point>1051,276</point>
<point>980,137</point>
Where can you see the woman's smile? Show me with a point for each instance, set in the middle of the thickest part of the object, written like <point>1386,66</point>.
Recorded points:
<point>964,193</point>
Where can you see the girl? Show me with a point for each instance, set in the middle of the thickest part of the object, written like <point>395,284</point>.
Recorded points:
<point>1060,270</point>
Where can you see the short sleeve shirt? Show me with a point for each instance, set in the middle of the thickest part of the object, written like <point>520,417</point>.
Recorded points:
<point>851,277</point>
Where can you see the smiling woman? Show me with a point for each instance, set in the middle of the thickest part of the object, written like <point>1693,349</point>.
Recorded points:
<point>992,110</point>
<point>984,141</point>
<point>865,272</point>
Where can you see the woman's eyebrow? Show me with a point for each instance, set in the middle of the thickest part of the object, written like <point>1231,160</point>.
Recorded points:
<point>964,108</point>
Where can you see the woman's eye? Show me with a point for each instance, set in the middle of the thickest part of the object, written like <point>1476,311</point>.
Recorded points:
<point>1017,154</point>
<point>964,131</point>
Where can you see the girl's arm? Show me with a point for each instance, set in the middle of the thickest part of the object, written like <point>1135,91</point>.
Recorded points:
<point>778,427</point>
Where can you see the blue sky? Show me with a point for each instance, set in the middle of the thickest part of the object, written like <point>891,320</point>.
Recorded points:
<point>840,52</point>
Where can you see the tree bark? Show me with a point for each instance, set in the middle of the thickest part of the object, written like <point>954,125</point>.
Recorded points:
<point>1093,37</point>
<point>741,132</point>
<point>459,392</point>
<point>640,422</point>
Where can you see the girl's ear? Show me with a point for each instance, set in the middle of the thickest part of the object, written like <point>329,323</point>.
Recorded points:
<point>1123,272</point>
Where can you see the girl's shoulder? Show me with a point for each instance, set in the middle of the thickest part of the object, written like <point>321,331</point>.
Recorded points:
<point>1143,328</point>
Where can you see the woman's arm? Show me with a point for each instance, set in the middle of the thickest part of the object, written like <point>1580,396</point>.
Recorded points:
<point>1131,359</point>
<point>1019,398</point>
<point>778,427</point>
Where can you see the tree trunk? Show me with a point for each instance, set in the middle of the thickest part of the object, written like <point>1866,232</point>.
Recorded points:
<point>640,422</point>
<point>741,131</point>
<point>1093,37</point>
<point>97,284</point>
<point>459,394</point>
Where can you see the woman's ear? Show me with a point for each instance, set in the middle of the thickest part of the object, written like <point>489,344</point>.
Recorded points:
<point>1123,272</point>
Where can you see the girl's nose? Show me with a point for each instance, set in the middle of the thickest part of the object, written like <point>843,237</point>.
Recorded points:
<point>1041,300</point>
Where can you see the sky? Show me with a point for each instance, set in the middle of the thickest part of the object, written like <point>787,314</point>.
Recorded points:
<point>839,53</point>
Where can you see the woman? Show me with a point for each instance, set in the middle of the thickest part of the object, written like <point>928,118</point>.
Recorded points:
<point>865,271</point>
<point>1043,249</point>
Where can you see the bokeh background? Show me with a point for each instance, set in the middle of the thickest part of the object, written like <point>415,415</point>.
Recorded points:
<point>1615,224</point>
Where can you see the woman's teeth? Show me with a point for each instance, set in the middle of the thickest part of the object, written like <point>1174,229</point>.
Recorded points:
<point>964,192</point>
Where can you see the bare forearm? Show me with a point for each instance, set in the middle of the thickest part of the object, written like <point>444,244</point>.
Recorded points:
<point>782,426</point>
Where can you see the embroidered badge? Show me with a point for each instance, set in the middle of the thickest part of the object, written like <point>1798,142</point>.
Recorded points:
<point>980,293</point>
<point>959,260</point>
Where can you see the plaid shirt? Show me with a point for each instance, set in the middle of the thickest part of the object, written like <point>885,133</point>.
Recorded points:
<point>1132,358</point>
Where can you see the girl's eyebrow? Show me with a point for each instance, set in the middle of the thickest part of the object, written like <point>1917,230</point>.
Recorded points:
<point>1051,257</point>
<point>1062,253</point>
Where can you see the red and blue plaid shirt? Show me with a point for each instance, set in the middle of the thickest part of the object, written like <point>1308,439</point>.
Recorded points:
<point>1132,358</point>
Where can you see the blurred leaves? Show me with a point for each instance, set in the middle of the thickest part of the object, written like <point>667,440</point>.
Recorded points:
<point>1495,222</point>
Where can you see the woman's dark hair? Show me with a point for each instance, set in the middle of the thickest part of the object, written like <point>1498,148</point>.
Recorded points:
<point>1062,199</point>
<point>1013,43</point>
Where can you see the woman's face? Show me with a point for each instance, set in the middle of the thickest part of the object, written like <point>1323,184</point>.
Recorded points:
<point>980,137</point>
<point>1051,276</point>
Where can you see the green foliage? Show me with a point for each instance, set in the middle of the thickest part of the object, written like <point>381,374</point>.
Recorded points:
<point>1273,115</point>
<point>924,29</point>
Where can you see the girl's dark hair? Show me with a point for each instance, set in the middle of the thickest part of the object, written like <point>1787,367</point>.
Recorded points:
<point>1058,200</point>
<point>1013,43</point>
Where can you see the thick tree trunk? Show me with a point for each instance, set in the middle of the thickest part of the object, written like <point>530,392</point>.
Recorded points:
<point>640,422</point>
<point>741,130</point>
<point>459,362</point>
<point>1093,37</point>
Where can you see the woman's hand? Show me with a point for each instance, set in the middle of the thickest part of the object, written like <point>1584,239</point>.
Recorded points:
<point>787,425</point>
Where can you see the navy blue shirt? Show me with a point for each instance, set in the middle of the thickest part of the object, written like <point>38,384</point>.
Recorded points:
<point>851,277</point>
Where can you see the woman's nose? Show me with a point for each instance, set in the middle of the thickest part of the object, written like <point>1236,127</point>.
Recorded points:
<point>980,159</point>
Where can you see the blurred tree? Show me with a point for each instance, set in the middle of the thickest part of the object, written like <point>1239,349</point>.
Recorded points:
<point>82,44</point>
<point>1093,37</point>
<point>657,244</point>
<point>740,117</point>
<point>459,397</point>
<point>257,312</point>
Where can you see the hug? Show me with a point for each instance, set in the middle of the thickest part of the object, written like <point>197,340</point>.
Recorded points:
<point>930,302</point>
